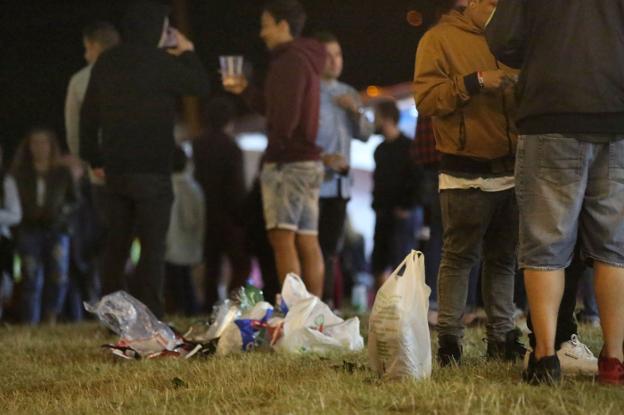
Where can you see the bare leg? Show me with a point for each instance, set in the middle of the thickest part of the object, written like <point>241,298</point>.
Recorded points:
<point>544,292</point>
<point>609,283</point>
<point>311,263</point>
<point>285,251</point>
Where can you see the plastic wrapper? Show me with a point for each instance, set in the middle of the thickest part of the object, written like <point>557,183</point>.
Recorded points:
<point>139,329</point>
<point>247,332</point>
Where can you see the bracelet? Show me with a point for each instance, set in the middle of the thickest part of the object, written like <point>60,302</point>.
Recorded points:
<point>480,79</point>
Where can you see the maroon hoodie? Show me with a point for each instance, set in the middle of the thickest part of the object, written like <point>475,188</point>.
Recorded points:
<point>291,101</point>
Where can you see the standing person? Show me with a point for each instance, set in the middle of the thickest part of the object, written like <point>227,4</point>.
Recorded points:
<point>89,238</point>
<point>342,119</point>
<point>220,172</point>
<point>185,237</point>
<point>130,101</point>
<point>292,172</point>
<point>394,195</point>
<point>570,162</point>
<point>10,215</point>
<point>48,198</point>
<point>96,38</point>
<point>468,93</point>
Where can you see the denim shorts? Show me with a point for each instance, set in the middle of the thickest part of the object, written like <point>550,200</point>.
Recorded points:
<point>290,195</point>
<point>569,189</point>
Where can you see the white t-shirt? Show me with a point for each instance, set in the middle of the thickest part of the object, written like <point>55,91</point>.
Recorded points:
<point>494,184</point>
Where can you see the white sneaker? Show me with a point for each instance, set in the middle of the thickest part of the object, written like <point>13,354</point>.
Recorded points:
<point>575,358</point>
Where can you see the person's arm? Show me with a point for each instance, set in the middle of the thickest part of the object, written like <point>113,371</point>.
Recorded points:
<point>361,127</point>
<point>183,72</point>
<point>286,112</point>
<point>11,214</point>
<point>438,91</point>
<point>72,116</point>
<point>254,97</point>
<point>90,122</point>
<point>506,32</point>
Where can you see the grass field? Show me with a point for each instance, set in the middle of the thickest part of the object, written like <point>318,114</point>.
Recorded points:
<point>61,370</point>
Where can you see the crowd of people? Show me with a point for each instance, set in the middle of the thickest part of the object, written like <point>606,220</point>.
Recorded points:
<point>517,164</point>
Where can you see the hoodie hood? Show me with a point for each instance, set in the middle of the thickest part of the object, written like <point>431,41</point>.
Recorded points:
<point>459,20</point>
<point>311,50</point>
<point>144,21</point>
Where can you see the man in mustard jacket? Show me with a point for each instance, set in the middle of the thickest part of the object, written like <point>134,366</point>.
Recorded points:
<point>469,96</point>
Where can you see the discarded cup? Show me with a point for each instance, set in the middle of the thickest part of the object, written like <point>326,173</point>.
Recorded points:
<point>231,68</point>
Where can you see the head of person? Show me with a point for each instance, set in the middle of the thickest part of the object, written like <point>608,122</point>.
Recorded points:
<point>39,146</point>
<point>334,64</point>
<point>146,22</point>
<point>281,22</point>
<point>479,11</point>
<point>386,116</point>
<point>180,160</point>
<point>98,37</point>
<point>219,114</point>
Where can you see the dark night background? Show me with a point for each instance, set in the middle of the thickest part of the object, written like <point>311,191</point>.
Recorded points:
<point>42,46</point>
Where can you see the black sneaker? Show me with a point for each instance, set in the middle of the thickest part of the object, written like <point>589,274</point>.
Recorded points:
<point>509,350</point>
<point>449,350</point>
<point>546,371</point>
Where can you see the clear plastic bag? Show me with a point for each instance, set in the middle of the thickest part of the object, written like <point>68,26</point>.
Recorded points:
<point>134,322</point>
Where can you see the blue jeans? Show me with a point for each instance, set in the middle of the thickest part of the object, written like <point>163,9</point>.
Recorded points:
<point>45,273</point>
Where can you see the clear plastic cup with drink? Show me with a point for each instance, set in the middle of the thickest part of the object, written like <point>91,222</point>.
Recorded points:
<point>231,69</point>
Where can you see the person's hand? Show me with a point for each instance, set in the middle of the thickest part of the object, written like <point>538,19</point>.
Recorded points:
<point>336,162</point>
<point>497,79</point>
<point>99,173</point>
<point>400,213</point>
<point>234,84</point>
<point>183,44</point>
<point>347,102</point>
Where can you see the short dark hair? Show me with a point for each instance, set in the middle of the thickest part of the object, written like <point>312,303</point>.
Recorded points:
<point>102,33</point>
<point>179,159</point>
<point>388,109</point>
<point>290,10</point>
<point>325,37</point>
<point>218,112</point>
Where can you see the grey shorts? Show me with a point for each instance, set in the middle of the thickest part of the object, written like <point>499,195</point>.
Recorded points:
<point>290,195</point>
<point>567,188</point>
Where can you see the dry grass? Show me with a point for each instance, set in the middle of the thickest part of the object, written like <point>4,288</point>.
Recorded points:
<point>61,370</point>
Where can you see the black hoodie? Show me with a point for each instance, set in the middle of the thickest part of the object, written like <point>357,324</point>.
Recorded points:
<point>131,98</point>
<point>571,54</point>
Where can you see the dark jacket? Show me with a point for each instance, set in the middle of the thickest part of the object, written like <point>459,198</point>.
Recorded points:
<point>393,179</point>
<point>60,202</point>
<point>132,95</point>
<point>571,54</point>
<point>219,171</point>
<point>291,101</point>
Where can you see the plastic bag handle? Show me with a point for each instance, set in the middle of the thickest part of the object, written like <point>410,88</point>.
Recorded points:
<point>411,257</point>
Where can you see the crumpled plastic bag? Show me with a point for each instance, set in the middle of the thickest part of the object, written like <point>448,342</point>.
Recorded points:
<point>137,326</point>
<point>223,315</point>
<point>246,332</point>
<point>311,326</point>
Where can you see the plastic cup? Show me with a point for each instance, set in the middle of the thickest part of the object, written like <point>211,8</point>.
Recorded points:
<point>231,68</point>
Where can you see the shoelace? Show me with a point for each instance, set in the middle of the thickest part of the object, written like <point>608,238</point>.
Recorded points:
<point>576,342</point>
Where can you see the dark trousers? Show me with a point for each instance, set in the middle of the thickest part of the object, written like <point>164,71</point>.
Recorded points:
<point>332,214</point>
<point>138,205</point>
<point>566,321</point>
<point>224,240</point>
<point>478,225</point>
<point>180,290</point>
<point>393,240</point>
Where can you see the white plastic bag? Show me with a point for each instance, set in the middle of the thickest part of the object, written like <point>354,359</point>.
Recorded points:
<point>311,326</point>
<point>399,343</point>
